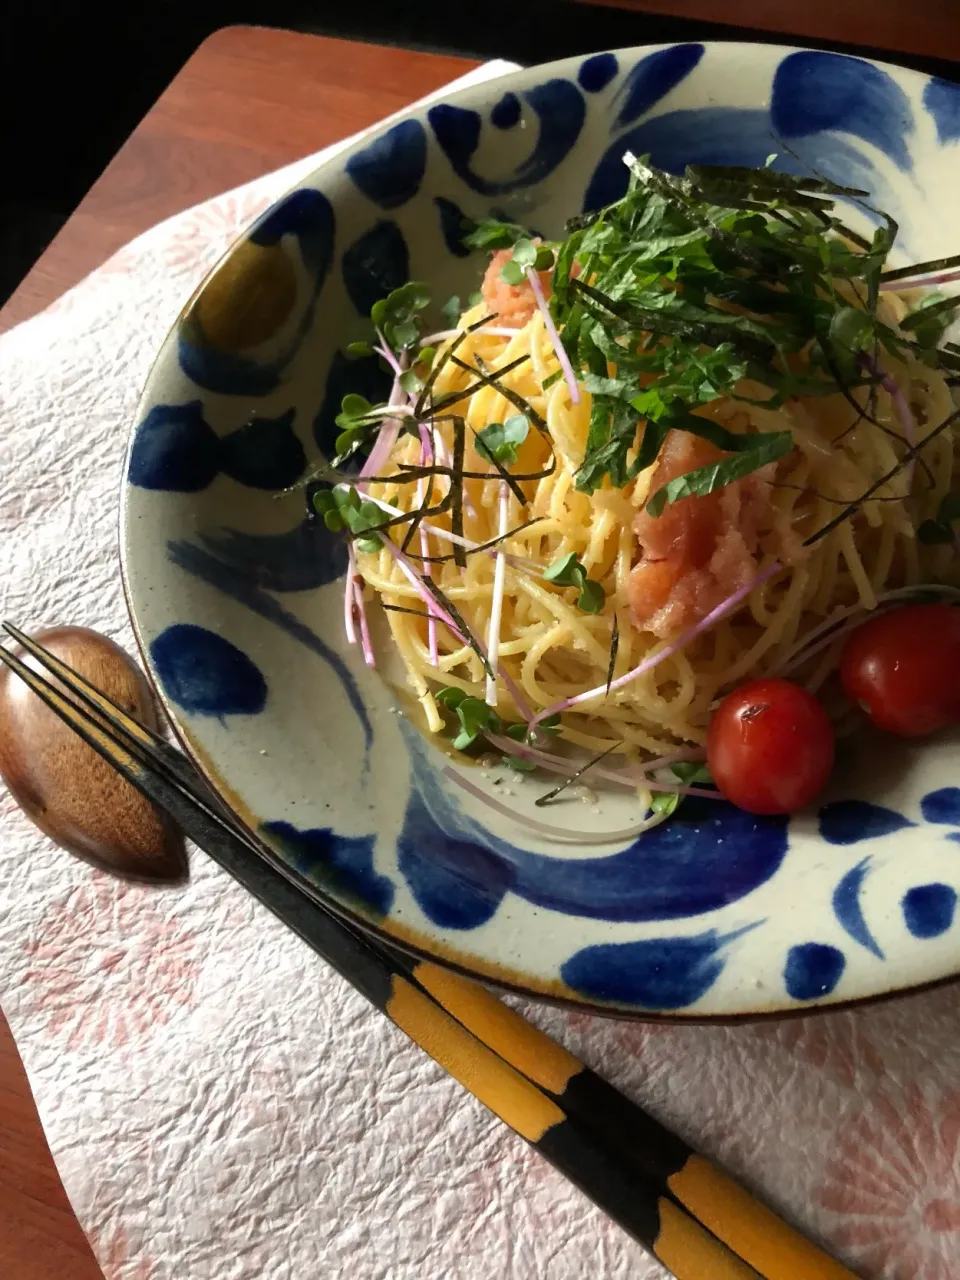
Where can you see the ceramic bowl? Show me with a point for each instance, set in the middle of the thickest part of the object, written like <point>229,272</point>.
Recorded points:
<point>236,594</point>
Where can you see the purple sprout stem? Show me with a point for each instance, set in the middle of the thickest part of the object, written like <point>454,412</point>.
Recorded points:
<point>349,597</point>
<point>567,768</point>
<point>921,282</point>
<point>559,350</point>
<point>389,427</point>
<point>409,570</point>
<point>902,407</point>
<point>487,331</point>
<point>563,834</point>
<point>714,616</point>
<point>426,459</point>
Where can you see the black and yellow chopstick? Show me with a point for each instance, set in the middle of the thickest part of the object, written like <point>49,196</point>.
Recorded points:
<point>698,1221</point>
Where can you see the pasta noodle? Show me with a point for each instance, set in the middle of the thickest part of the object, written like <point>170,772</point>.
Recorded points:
<point>550,649</point>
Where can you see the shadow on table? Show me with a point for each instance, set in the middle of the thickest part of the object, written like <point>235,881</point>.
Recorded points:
<point>75,80</point>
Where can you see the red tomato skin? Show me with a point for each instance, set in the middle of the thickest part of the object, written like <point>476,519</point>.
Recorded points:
<point>903,669</point>
<point>770,747</point>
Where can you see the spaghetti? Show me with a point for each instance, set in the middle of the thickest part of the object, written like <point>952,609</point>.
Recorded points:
<point>553,650</point>
<point>726,438</point>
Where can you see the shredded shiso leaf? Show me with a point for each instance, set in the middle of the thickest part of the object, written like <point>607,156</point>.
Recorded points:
<point>668,299</point>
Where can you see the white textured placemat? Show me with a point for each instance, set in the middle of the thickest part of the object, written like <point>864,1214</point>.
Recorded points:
<point>222,1105</point>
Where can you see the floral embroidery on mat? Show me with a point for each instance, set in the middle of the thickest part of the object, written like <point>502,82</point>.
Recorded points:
<point>215,224</point>
<point>894,1184</point>
<point>119,1258</point>
<point>631,1037</point>
<point>835,1044</point>
<point>110,963</point>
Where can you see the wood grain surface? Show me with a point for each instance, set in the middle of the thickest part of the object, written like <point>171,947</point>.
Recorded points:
<point>927,28</point>
<point>64,787</point>
<point>248,101</point>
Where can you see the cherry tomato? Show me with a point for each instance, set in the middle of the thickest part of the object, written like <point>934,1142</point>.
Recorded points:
<point>903,668</point>
<point>770,746</point>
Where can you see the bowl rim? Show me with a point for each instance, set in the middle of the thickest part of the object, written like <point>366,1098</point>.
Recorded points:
<point>418,943</point>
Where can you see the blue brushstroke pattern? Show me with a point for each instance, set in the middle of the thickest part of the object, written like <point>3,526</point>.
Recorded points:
<point>458,884</point>
<point>850,821</point>
<point>452,226</point>
<point>710,855</point>
<point>942,806</point>
<point>307,215</point>
<point>942,99</point>
<point>175,450</point>
<point>652,78</point>
<point>341,864</point>
<point>505,113</point>
<point>731,136</point>
<point>929,909</point>
<point>301,559</point>
<point>596,72</point>
<point>365,377</point>
<point>389,171</point>
<point>234,582</point>
<point>228,374</point>
<point>265,453</point>
<point>847,909</point>
<point>821,92</point>
<point>374,265</point>
<point>205,674</point>
<point>662,973</point>
<point>561,112</point>
<point>813,969</point>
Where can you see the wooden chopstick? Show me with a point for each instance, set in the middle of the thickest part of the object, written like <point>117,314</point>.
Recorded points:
<point>692,1216</point>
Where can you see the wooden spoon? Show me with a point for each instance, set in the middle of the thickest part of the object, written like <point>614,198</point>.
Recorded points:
<point>72,795</point>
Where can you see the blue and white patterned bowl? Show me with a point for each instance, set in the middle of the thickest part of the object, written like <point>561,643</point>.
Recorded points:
<point>236,597</point>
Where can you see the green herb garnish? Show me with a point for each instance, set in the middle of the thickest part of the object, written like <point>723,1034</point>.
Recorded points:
<point>473,714</point>
<point>716,475</point>
<point>569,572</point>
<point>940,530</point>
<point>491,233</point>
<point>358,421</point>
<point>411,382</point>
<point>520,763</point>
<point>500,440</point>
<point>475,718</point>
<point>525,255</point>
<point>358,350</point>
<point>665,802</point>
<point>691,773</point>
<point>398,315</point>
<point>452,310</point>
<point>689,285</point>
<point>344,509</point>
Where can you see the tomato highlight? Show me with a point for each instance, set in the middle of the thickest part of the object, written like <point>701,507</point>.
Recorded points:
<point>770,747</point>
<point>903,669</point>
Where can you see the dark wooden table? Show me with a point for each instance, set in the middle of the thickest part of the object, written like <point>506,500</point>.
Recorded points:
<point>248,101</point>
<point>925,28</point>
